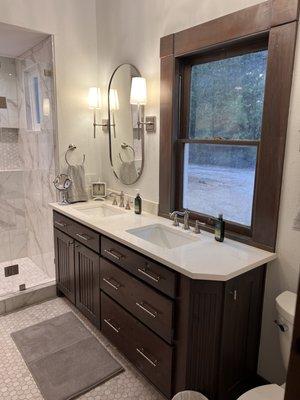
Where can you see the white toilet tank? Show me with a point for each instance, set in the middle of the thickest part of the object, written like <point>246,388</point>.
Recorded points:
<point>286,308</point>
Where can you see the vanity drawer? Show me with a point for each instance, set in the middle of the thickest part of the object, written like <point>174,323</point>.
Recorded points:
<point>86,236</point>
<point>81,233</point>
<point>62,223</point>
<point>149,271</point>
<point>150,354</point>
<point>153,309</point>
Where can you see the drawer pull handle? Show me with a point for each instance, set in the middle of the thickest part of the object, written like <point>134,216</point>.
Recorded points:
<point>115,285</point>
<point>113,253</point>
<point>150,275</point>
<point>61,224</point>
<point>86,238</point>
<point>143,307</point>
<point>141,352</point>
<point>108,322</point>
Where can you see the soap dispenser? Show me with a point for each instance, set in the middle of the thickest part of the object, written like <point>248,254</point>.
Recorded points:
<point>138,203</point>
<point>219,228</point>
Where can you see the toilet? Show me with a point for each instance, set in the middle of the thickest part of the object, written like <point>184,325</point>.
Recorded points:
<point>286,307</point>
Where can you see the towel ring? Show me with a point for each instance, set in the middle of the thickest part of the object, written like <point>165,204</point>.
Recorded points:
<point>126,146</point>
<point>70,148</point>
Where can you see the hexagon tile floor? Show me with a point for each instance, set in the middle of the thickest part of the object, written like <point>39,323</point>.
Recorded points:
<point>16,382</point>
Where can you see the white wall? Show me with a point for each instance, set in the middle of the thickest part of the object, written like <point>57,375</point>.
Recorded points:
<point>73,24</point>
<point>129,31</point>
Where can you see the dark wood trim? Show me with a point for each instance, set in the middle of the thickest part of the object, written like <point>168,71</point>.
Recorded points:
<point>282,42</point>
<point>247,22</point>
<point>292,391</point>
<point>167,100</point>
<point>284,11</point>
<point>221,141</point>
<point>167,45</point>
<point>269,23</point>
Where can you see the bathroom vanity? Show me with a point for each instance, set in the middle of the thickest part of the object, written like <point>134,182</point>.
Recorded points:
<point>188,316</point>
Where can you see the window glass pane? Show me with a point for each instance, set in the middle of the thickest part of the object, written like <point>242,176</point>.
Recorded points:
<point>220,179</point>
<point>226,99</point>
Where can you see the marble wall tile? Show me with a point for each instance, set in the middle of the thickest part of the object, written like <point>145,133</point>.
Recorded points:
<point>36,295</point>
<point>38,157</point>
<point>5,253</point>
<point>27,162</point>
<point>8,88</point>
<point>18,243</point>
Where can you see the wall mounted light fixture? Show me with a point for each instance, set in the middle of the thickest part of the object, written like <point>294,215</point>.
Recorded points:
<point>95,103</point>
<point>138,96</point>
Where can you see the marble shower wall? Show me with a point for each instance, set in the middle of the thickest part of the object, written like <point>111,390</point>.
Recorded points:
<point>38,147</point>
<point>8,89</point>
<point>13,232</point>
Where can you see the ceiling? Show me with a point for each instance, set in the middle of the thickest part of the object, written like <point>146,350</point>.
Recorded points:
<point>14,40</point>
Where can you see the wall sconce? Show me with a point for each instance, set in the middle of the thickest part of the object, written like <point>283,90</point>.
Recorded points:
<point>138,96</point>
<point>95,103</point>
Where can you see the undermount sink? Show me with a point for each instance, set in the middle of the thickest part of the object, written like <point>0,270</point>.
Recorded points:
<point>98,210</point>
<point>163,236</point>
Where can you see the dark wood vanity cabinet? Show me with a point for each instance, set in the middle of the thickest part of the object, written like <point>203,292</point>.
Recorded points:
<point>64,264</point>
<point>87,270</point>
<point>217,334</point>
<point>182,334</point>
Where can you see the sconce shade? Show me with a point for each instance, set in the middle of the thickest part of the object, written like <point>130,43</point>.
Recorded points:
<point>94,98</point>
<point>138,93</point>
<point>114,100</point>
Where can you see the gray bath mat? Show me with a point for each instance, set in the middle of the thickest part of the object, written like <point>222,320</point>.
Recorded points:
<point>64,358</point>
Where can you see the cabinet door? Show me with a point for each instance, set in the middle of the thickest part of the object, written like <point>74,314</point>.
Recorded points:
<point>87,271</point>
<point>64,264</point>
<point>241,331</point>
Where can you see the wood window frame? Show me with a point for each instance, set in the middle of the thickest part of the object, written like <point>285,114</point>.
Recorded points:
<point>273,22</point>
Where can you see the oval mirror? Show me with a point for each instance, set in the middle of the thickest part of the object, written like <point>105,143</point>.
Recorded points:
<point>126,136</point>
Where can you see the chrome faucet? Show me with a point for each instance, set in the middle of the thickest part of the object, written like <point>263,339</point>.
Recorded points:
<point>114,195</point>
<point>185,214</point>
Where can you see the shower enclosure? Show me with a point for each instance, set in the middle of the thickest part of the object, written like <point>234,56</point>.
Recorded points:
<point>27,168</point>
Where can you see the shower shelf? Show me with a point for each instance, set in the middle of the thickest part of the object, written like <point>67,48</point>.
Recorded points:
<point>12,170</point>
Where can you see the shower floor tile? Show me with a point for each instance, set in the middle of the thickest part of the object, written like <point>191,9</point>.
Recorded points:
<point>29,273</point>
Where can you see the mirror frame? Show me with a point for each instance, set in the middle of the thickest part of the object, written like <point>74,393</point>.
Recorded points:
<point>110,133</point>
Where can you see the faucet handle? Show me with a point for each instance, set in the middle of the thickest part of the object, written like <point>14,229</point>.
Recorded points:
<point>174,216</point>
<point>115,203</point>
<point>176,222</point>
<point>127,207</point>
<point>197,229</point>
<point>122,196</point>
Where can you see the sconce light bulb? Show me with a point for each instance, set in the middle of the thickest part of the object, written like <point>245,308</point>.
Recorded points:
<point>94,98</point>
<point>138,93</point>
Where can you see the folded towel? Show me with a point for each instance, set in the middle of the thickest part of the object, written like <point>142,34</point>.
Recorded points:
<point>128,172</point>
<point>77,191</point>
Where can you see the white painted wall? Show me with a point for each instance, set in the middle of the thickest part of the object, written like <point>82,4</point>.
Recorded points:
<point>73,24</point>
<point>129,31</point>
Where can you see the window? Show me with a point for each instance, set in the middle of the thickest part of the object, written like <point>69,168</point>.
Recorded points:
<point>223,132</point>
<point>225,94</point>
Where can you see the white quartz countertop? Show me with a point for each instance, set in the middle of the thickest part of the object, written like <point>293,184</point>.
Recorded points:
<point>204,258</point>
